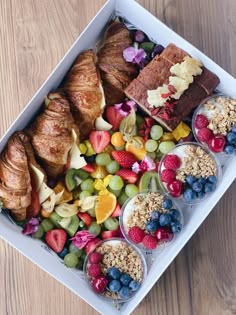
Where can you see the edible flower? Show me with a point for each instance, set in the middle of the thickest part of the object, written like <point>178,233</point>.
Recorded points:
<point>101,184</point>
<point>134,55</point>
<point>81,239</point>
<point>31,227</point>
<point>147,164</point>
<point>125,108</point>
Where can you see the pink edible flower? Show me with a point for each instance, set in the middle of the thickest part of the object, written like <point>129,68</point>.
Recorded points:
<point>147,164</point>
<point>81,239</point>
<point>125,108</point>
<point>31,227</point>
<point>134,55</point>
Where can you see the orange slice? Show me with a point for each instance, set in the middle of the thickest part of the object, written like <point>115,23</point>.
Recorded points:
<point>67,195</point>
<point>100,172</point>
<point>104,207</point>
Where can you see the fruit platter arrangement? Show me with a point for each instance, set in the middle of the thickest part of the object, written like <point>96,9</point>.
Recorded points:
<point>132,128</point>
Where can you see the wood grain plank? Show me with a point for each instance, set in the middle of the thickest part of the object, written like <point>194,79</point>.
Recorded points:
<point>34,36</point>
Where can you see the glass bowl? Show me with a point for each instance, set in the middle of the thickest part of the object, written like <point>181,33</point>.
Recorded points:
<point>215,132</point>
<point>156,215</point>
<point>128,259</point>
<point>197,175</point>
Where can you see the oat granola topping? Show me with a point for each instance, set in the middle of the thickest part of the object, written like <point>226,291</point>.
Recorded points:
<point>198,163</point>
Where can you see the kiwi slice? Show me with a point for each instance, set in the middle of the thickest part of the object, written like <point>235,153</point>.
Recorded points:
<point>55,218</point>
<point>147,46</point>
<point>150,181</point>
<point>74,178</point>
<point>72,228</point>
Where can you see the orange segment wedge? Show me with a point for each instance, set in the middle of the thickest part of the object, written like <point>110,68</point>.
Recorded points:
<point>104,207</point>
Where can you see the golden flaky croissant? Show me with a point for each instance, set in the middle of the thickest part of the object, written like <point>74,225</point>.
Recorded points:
<point>116,73</point>
<point>16,184</point>
<point>51,134</point>
<point>84,91</point>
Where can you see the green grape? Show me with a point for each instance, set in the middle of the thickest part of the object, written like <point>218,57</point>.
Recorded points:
<point>39,233</point>
<point>112,167</point>
<point>81,261</point>
<point>120,148</point>
<point>47,225</point>
<point>152,155</point>
<point>84,194</point>
<point>103,159</point>
<point>92,212</point>
<point>111,224</point>
<point>166,146</point>
<point>122,199</point>
<point>151,145</point>
<point>71,260</point>
<point>116,182</point>
<point>94,228</point>
<point>75,250</point>
<point>156,132</point>
<point>131,190</point>
<point>115,192</point>
<point>87,185</point>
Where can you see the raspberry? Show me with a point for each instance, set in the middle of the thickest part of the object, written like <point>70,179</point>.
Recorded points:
<point>136,234</point>
<point>217,143</point>
<point>201,121</point>
<point>204,134</point>
<point>167,175</point>
<point>95,258</point>
<point>94,270</point>
<point>150,242</point>
<point>172,162</point>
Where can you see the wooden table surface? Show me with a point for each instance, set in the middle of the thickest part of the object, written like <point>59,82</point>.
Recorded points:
<point>34,36</point>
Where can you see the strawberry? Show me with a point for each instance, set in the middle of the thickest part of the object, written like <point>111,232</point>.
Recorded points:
<point>113,117</point>
<point>149,241</point>
<point>167,175</point>
<point>124,158</point>
<point>95,258</point>
<point>204,134</point>
<point>91,245</point>
<point>128,176</point>
<point>85,217</point>
<point>201,121</point>
<point>89,168</point>
<point>56,239</point>
<point>109,234</point>
<point>99,140</point>
<point>117,212</point>
<point>136,234</point>
<point>94,270</point>
<point>172,162</point>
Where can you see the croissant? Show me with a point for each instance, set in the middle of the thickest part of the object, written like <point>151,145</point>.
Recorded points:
<point>84,91</point>
<point>16,186</point>
<point>116,73</point>
<point>51,134</point>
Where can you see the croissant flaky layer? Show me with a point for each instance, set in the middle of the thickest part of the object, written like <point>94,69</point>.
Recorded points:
<point>84,91</point>
<point>51,134</point>
<point>15,179</point>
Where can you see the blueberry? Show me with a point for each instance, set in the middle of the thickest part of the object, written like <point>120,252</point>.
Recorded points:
<point>124,292</point>
<point>175,214</point>
<point>114,285</point>
<point>152,226</point>
<point>229,149</point>
<point>209,187</point>
<point>201,195</point>
<point>63,253</point>
<point>212,179</point>
<point>190,179</point>
<point>114,273</point>
<point>189,195</point>
<point>176,227</point>
<point>155,215</point>
<point>90,159</point>
<point>125,279</point>
<point>165,219</point>
<point>167,204</point>
<point>231,137</point>
<point>234,128</point>
<point>197,186</point>
<point>134,285</point>
<point>202,180</point>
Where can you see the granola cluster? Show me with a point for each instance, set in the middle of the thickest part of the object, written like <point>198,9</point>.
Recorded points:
<point>224,116</point>
<point>197,163</point>
<point>145,205</point>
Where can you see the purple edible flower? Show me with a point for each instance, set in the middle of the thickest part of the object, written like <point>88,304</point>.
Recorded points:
<point>125,108</point>
<point>31,227</point>
<point>134,55</point>
<point>81,239</point>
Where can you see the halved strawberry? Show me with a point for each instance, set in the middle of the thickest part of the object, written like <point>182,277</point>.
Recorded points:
<point>128,176</point>
<point>109,234</point>
<point>117,212</point>
<point>56,239</point>
<point>89,168</point>
<point>85,217</point>
<point>114,117</point>
<point>91,245</point>
<point>99,140</point>
<point>124,158</point>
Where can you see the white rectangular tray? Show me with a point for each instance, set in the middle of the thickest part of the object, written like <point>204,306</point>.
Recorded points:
<point>38,252</point>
